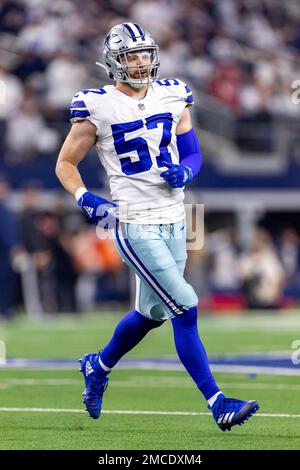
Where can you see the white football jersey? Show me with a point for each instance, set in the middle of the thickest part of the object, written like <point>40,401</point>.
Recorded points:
<point>134,138</point>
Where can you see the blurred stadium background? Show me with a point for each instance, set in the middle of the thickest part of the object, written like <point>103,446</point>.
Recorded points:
<point>241,58</point>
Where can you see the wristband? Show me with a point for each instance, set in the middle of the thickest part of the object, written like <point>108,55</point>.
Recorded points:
<point>80,192</point>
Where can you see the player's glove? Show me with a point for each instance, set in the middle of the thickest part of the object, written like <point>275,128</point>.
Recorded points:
<point>177,176</point>
<point>94,208</point>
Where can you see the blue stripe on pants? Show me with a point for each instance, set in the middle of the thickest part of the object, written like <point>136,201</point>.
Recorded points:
<point>139,266</point>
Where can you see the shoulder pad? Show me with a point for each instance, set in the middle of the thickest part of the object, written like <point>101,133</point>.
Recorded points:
<point>82,104</point>
<point>179,87</point>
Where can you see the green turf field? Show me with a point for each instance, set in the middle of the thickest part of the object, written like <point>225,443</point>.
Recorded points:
<point>177,416</point>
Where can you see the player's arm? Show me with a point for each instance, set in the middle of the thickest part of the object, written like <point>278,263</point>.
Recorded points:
<point>79,141</point>
<point>189,151</point>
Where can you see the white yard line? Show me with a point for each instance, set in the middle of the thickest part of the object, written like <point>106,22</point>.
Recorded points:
<point>137,412</point>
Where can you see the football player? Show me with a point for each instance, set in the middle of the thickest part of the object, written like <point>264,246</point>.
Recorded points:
<point>142,130</point>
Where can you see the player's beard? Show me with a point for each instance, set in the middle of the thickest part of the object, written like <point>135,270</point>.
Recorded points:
<point>141,73</point>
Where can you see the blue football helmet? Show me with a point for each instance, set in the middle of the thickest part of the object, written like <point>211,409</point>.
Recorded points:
<point>125,40</point>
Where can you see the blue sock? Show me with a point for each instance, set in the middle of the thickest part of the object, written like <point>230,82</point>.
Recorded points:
<point>192,353</point>
<point>128,333</point>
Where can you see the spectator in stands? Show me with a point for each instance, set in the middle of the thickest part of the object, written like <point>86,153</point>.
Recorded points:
<point>222,251</point>
<point>11,93</point>
<point>261,273</point>
<point>174,53</point>
<point>30,63</point>
<point>65,272</point>
<point>34,137</point>
<point>53,258</point>
<point>146,13</point>
<point>12,16</point>
<point>103,275</point>
<point>225,85</point>
<point>42,31</point>
<point>289,251</point>
<point>28,215</point>
<point>64,77</point>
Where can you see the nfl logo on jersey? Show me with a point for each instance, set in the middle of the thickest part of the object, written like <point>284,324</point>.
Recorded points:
<point>141,106</point>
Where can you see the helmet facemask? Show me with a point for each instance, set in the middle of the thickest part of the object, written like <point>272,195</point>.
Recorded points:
<point>139,67</point>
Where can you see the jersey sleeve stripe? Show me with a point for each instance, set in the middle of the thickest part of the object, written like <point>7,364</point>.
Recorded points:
<point>78,104</point>
<point>189,99</point>
<point>79,114</point>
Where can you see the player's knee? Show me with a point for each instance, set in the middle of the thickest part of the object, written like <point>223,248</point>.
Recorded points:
<point>187,297</point>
